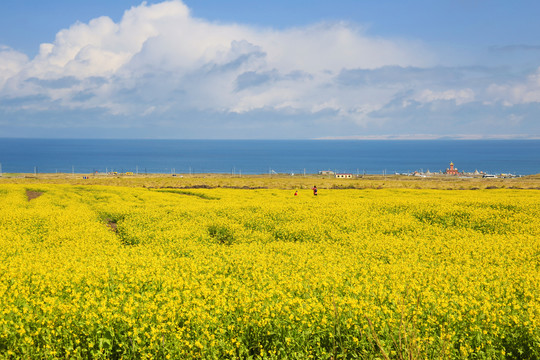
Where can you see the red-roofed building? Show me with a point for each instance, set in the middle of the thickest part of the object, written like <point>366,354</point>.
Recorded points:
<point>452,170</point>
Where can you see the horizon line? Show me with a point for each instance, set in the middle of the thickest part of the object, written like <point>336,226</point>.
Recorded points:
<point>433,137</point>
<point>347,137</point>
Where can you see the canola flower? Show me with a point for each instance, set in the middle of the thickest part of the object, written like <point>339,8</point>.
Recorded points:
<point>115,272</point>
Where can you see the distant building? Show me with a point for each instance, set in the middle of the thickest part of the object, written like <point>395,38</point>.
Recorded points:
<point>344,176</point>
<point>452,170</point>
<point>326,172</point>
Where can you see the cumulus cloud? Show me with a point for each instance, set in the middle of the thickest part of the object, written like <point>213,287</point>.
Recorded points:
<point>11,63</point>
<point>160,57</point>
<point>164,65</point>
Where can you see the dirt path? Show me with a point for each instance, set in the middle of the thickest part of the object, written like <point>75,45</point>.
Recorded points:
<point>33,194</point>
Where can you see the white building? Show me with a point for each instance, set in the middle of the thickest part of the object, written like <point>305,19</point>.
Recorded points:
<point>326,172</point>
<point>344,176</point>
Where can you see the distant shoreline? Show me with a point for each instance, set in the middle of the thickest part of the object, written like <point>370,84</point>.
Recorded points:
<point>280,181</point>
<point>415,137</point>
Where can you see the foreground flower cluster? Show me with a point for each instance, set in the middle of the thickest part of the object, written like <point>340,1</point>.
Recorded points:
<point>114,272</point>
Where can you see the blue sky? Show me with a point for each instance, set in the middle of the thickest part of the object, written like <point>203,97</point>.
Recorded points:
<point>269,69</point>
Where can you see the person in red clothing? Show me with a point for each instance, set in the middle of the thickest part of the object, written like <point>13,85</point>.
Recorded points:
<point>314,190</point>
<point>296,193</point>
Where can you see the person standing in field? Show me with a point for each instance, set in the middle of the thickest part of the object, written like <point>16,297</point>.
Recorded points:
<point>314,190</point>
<point>296,193</point>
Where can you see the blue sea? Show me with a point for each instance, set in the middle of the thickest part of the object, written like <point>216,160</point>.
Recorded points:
<point>519,157</point>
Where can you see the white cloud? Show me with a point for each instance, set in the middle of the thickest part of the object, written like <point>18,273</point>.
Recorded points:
<point>336,46</point>
<point>527,91</point>
<point>160,57</point>
<point>460,97</point>
<point>11,63</point>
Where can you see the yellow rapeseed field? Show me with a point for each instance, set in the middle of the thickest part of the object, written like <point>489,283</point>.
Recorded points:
<point>92,271</point>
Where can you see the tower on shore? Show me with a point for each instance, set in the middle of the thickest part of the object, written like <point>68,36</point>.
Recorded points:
<point>452,170</point>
